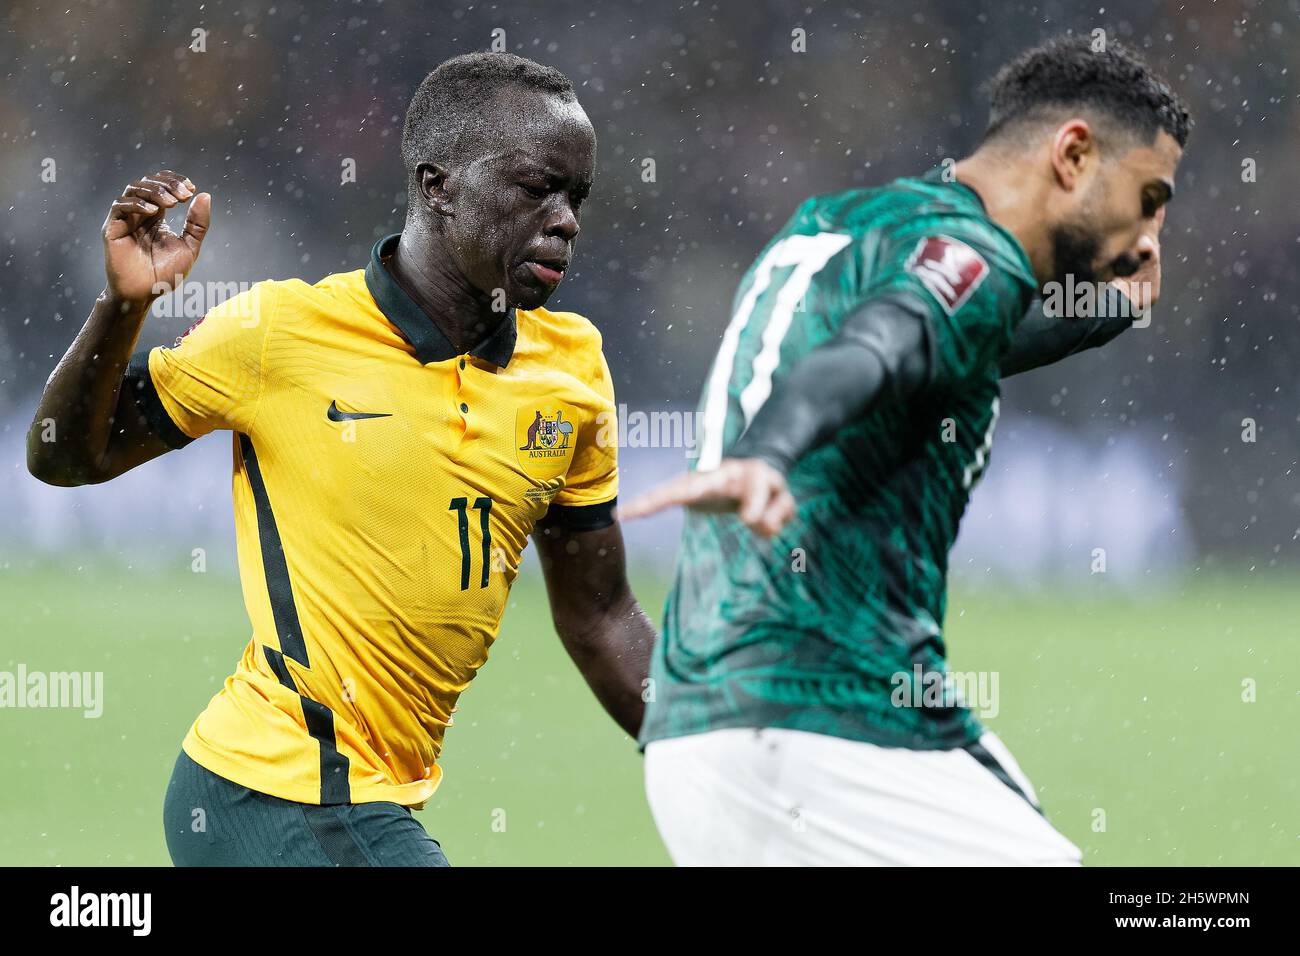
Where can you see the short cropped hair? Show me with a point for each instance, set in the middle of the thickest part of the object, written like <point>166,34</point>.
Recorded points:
<point>1067,73</point>
<point>449,118</point>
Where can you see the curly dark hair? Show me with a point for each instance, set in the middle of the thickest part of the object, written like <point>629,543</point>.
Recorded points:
<point>448,118</point>
<point>1068,73</point>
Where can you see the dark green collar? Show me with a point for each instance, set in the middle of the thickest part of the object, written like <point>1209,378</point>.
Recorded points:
<point>431,345</point>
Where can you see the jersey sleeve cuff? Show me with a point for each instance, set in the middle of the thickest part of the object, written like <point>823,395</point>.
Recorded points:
<point>579,517</point>
<point>150,406</point>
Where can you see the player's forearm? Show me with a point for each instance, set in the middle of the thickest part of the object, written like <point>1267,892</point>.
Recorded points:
<point>613,653</point>
<point>598,619</point>
<point>70,432</point>
<point>878,357</point>
<point>1041,339</point>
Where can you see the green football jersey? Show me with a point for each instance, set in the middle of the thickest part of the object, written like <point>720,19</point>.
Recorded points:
<point>835,625</point>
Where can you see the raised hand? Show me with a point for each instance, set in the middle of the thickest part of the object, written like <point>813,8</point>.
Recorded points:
<point>143,257</point>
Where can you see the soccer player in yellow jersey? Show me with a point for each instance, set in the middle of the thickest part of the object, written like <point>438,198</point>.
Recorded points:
<point>399,432</point>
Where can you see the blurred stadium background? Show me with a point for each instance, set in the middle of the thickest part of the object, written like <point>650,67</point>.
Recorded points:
<point>1121,692</point>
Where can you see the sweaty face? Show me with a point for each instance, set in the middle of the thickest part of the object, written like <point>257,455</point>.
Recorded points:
<point>517,206</point>
<point>1098,239</point>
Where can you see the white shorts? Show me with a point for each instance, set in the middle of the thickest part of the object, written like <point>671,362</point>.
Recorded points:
<point>772,797</point>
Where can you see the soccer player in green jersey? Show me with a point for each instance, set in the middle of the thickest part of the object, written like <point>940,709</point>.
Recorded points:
<point>847,415</point>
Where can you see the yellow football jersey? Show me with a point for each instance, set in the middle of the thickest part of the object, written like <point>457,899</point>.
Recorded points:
<point>384,489</point>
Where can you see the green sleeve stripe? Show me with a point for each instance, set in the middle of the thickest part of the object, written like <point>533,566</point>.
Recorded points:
<point>579,517</point>
<point>150,406</point>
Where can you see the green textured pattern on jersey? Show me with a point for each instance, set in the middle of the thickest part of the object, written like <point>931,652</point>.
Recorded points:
<point>822,628</point>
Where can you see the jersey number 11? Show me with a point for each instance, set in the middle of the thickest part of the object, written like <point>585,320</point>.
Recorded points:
<point>484,508</point>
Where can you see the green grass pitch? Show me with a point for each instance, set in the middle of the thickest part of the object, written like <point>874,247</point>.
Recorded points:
<point>1127,705</point>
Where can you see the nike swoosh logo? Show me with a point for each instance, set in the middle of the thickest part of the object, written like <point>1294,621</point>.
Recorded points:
<point>335,415</point>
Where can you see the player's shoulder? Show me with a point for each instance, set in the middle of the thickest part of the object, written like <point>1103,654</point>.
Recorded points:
<point>290,301</point>
<point>906,207</point>
<point>565,344</point>
<point>277,307</point>
<point>566,331</point>
<point>876,206</point>
<point>902,205</point>
<point>916,213</point>
<point>338,287</point>
<point>893,223</point>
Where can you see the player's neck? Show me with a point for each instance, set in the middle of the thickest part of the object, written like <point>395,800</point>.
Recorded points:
<point>425,271</point>
<point>1011,201</point>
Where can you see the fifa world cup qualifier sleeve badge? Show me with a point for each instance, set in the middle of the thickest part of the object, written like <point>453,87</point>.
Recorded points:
<point>949,269</point>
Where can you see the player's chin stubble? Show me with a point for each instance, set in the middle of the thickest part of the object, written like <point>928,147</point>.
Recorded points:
<point>1074,250</point>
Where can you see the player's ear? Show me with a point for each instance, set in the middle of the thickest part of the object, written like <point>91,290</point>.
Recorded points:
<point>1074,151</point>
<point>435,188</point>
